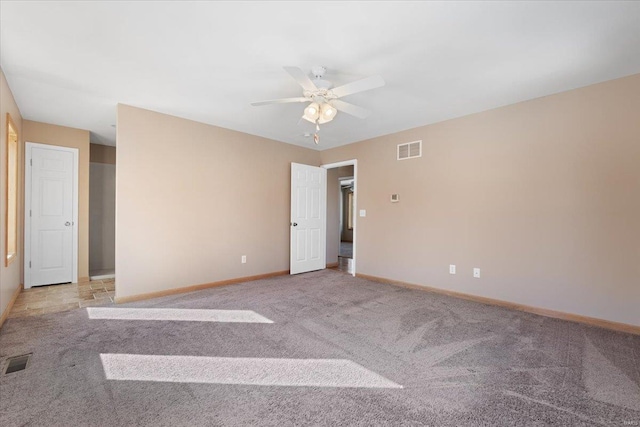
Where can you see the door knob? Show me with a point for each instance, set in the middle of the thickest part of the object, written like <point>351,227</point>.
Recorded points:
<point>67,223</point>
<point>295,224</point>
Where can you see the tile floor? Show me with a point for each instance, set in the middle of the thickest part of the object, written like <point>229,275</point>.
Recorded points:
<point>345,264</point>
<point>105,272</point>
<point>55,298</point>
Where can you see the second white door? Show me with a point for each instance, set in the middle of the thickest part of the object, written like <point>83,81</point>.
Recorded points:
<point>51,218</point>
<point>308,218</point>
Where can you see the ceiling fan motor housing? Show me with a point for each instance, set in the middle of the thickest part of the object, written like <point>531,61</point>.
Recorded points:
<point>318,72</point>
<point>322,84</point>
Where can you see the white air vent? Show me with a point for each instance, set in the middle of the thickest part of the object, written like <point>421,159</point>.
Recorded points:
<point>409,150</point>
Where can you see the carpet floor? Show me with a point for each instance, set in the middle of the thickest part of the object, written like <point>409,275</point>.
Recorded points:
<point>321,348</point>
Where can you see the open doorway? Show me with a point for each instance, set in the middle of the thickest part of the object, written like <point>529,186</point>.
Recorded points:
<point>102,212</point>
<point>341,215</point>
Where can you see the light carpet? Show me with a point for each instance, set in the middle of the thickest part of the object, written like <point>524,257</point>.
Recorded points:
<point>340,351</point>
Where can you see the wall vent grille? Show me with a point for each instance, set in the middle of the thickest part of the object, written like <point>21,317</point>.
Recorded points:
<point>410,150</point>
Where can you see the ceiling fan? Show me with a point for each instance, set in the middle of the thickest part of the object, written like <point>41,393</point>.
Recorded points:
<point>324,101</point>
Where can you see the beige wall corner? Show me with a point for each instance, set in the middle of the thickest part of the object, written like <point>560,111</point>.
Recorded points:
<point>193,198</point>
<point>102,154</point>
<point>542,196</point>
<point>62,136</point>
<point>10,303</point>
<point>11,275</point>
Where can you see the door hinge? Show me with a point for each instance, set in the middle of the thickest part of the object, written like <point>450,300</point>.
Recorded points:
<point>29,213</point>
<point>31,162</point>
<point>29,264</point>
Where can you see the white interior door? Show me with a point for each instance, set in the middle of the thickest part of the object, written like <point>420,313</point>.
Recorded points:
<point>308,218</point>
<point>51,215</point>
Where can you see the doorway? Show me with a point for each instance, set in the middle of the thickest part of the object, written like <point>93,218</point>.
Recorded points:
<point>51,215</point>
<point>341,215</point>
<point>102,213</point>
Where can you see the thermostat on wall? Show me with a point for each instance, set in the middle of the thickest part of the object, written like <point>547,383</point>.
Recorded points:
<point>395,198</point>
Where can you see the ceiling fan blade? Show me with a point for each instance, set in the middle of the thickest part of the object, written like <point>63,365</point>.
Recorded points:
<point>354,110</point>
<point>358,86</point>
<point>302,79</point>
<point>279,101</point>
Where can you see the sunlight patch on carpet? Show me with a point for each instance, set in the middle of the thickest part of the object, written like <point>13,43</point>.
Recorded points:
<point>176,314</point>
<point>245,371</point>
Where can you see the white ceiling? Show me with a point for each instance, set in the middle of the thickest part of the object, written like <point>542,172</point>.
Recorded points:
<point>70,63</point>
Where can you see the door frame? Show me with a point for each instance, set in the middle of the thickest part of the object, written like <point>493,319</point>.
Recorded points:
<point>354,163</point>
<point>28,146</point>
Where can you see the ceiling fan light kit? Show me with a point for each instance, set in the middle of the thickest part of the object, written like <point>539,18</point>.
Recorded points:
<point>324,103</point>
<point>327,112</point>
<point>312,112</point>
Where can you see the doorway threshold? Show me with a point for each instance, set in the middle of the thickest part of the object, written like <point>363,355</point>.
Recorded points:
<point>102,274</point>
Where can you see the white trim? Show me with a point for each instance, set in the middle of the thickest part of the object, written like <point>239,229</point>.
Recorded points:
<point>342,179</point>
<point>27,207</point>
<point>340,164</point>
<point>354,163</point>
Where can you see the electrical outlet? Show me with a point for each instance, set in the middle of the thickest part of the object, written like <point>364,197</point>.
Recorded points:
<point>243,259</point>
<point>452,269</point>
<point>476,273</point>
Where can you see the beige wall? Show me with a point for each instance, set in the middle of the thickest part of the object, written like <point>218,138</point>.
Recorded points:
<point>543,196</point>
<point>102,218</point>
<point>102,154</point>
<point>10,277</point>
<point>44,133</point>
<point>193,198</point>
